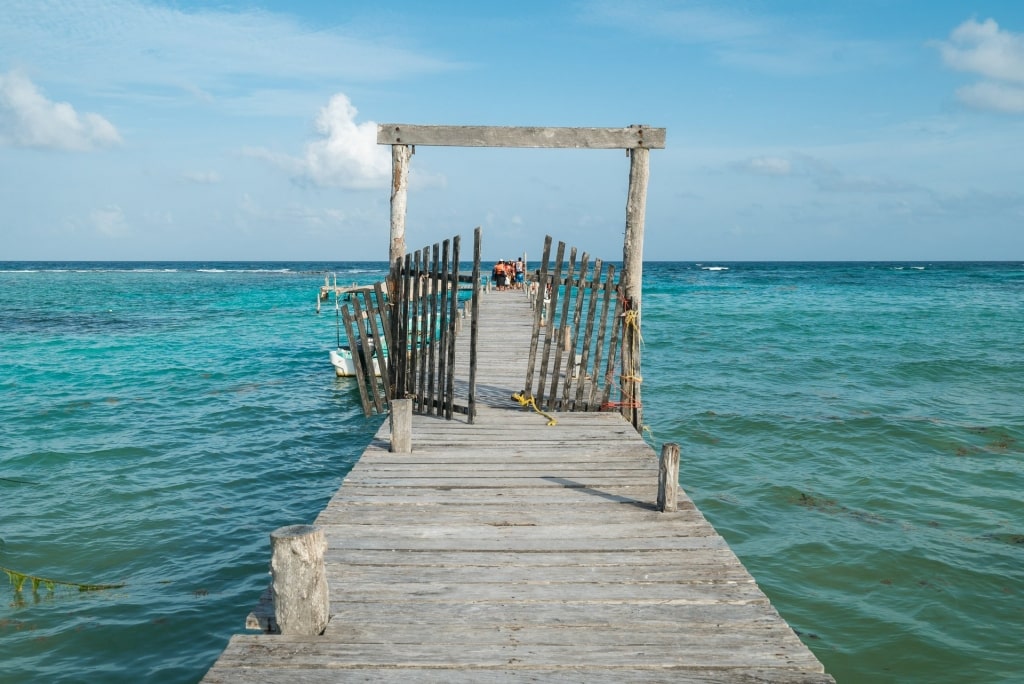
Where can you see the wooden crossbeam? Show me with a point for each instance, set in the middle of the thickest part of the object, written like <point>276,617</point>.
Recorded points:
<point>629,137</point>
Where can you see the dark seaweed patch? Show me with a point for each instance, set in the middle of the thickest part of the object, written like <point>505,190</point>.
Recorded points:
<point>1005,538</point>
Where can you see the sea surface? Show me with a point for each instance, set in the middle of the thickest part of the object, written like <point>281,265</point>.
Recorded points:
<point>854,430</point>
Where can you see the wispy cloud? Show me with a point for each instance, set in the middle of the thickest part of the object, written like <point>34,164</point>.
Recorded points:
<point>202,177</point>
<point>345,154</point>
<point>766,166</point>
<point>29,119</point>
<point>828,178</point>
<point>824,175</point>
<point>999,97</point>
<point>109,221</point>
<point>686,22</point>
<point>742,39</point>
<point>997,55</point>
<point>137,49</point>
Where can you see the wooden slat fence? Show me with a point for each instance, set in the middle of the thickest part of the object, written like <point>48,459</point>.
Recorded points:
<point>577,334</point>
<point>424,319</point>
<point>369,335</point>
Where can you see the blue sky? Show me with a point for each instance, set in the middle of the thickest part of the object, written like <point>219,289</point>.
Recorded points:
<point>796,130</point>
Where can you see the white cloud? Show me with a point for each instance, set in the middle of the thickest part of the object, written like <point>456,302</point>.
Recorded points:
<point>109,221</point>
<point>251,213</point>
<point>985,49</point>
<point>999,97</point>
<point>346,155</point>
<point>202,177</point>
<point>825,176</point>
<point>768,166</point>
<point>29,119</point>
<point>993,53</point>
<point>745,38</point>
<point>155,51</point>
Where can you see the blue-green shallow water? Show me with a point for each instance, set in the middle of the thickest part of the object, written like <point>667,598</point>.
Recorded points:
<point>855,431</point>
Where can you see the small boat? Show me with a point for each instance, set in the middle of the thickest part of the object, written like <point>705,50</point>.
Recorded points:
<point>345,365</point>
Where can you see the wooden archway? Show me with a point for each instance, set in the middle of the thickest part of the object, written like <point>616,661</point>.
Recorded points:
<point>637,140</point>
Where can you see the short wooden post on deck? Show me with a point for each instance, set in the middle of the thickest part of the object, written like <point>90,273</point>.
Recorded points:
<point>668,477</point>
<point>301,604</point>
<point>401,426</point>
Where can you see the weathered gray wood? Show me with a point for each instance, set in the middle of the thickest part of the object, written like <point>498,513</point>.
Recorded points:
<point>474,326</point>
<point>549,329</point>
<point>350,333</point>
<point>401,426</point>
<point>452,314</point>
<point>301,603</point>
<point>418,353</point>
<point>594,288</point>
<point>604,380</point>
<point>400,156</point>
<point>511,672</point>
<point>630,137</point>
<point>563,322</point>
<point>632,284</point>
<point>362,354</point>
<point>375,326</point>
<point>668,477</point>
<point>435,321</point>
<point>424,320</point>
<point>538,317</point>
<point>608,653</point>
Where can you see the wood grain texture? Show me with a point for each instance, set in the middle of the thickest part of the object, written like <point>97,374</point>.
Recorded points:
<point>628,137</point>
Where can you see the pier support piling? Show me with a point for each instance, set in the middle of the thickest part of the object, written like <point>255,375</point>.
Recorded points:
<point>301,605</point>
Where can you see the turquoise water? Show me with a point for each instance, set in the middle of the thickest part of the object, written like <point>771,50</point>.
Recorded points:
<point>855,431</point>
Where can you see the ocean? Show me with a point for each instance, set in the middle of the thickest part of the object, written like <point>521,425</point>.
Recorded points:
<point>854,430</point>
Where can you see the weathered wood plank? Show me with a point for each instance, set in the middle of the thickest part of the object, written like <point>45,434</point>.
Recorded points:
<point>688,617</point>
<point>701,552</point>
<point>521,136</point>
<point>515,672</point>
<point>615,653</point>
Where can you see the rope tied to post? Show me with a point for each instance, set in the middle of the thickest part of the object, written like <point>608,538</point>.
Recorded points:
<point>629,378</point>
<point>530,402</point>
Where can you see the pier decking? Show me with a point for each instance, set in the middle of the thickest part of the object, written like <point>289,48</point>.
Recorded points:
<point>508,550</point>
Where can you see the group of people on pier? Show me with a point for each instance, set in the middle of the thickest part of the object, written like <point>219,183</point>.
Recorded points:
<point>508,274</point>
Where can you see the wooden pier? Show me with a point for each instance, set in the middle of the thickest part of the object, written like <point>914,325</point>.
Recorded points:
<point>509,550</point>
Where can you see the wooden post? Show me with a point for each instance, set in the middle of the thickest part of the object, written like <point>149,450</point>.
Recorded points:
<point>400,155</point>
<point>668,477</point>
<point>401,426</point>
<point>301,604</point>
<point>632,283</point>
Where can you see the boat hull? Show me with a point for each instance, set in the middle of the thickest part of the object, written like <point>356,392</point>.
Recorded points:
<point>345,366</point>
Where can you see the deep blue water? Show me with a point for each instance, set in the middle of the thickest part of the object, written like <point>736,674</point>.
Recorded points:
<point>854,430</point>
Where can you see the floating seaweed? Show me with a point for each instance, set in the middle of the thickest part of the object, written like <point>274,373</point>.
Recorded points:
<point>816,502</point>
<point>1004,537</point>
<point>18,580</point>
<point>12,481</point>
<point>831,506</point>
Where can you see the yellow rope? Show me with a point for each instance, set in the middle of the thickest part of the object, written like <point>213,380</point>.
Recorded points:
<point>632,320</point>
<point>532,403</point>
